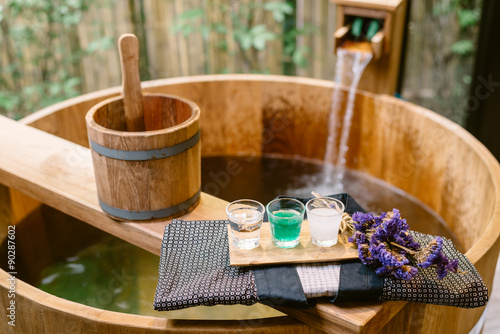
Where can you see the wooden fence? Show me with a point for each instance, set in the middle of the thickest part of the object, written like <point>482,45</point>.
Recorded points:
<point>430,76</point>
<point>172,55</point>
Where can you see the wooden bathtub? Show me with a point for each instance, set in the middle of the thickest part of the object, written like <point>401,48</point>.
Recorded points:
<point>405,145</point>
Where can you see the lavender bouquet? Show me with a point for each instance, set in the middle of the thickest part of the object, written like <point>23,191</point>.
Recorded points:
<point>385,244</point>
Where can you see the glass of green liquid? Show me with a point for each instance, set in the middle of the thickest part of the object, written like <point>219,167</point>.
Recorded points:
<point>285,217</point>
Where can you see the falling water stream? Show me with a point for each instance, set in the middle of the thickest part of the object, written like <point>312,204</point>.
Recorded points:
<point>348,71</point>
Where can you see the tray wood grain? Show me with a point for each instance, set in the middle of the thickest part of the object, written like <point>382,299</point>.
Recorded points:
<point>267,253</point>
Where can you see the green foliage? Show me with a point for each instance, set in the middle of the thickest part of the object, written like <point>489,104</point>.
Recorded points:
<point>468,14</point>
<point>250,37</point>
<point>30,41</point>
<point>188,23</point>
<point>469,17</point>
<point>463,47</point>
<point>279,10</point>
<point>255,37</point>
<point>298,55</point>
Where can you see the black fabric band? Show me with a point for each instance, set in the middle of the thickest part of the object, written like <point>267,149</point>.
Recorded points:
<point>358,282</point>
<point>279,286</point>
<point>350,204</point>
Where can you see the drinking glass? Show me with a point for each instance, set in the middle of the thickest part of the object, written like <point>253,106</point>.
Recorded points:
<point>324,215</point>
<point>245,218</point>
<point>285,217</point>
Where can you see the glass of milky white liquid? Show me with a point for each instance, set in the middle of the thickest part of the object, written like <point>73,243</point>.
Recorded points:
<point>324,215</point>
<point>245,218</point>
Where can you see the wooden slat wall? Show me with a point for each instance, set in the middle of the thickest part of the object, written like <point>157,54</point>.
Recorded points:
<point>172,55</point>
<point>429,78</point>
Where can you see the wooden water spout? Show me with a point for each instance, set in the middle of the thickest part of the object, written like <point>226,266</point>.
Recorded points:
<point>45,159</point>
<point>381,74</point>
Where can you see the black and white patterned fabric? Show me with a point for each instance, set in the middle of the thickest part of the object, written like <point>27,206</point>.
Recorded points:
<point>465,290</point>
<point>319,279</point>
<point>194,268</point>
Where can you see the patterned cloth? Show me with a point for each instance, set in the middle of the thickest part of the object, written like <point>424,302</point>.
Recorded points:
<point>319,279</point>
<point>461,290</point>
<point>194,268</point>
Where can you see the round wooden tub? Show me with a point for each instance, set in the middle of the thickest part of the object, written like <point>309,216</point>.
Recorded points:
<point>405,145</point>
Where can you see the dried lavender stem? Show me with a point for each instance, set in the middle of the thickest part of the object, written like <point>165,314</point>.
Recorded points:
<point>346,223</point>
<point>404,248</point>
<point>315,194</point>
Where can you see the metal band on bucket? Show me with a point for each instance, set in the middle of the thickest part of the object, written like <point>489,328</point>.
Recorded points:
<point>146,154</point>
<point>152,214</point>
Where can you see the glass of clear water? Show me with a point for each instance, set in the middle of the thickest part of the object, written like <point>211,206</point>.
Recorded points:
<point>245,218</point>
<point>324,215</point>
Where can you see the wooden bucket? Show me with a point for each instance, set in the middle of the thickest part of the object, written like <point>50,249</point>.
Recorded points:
<point>150,174</point>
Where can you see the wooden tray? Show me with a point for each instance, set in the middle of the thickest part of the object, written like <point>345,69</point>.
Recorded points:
<point>267,253</point>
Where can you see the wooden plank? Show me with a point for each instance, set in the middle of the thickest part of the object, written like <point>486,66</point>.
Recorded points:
<point>389,5</point>
<point>364,12</point>
<point>196,48</point>
<point>171,53</point>
<point>112,75</point>
<point>40,166</point>
<point>339,35</point>
<point>352,317</point>
<point>160,39</point>
<point>267,253</point>
<point>22,205</point>
<point>14,207</point>
<point>329,55</point>
<point>377,44</point>
<point>179,8</point>
<point>318,39</point>
<point>300,39</point>
<point>232,47</point>
<point>88,83</point>
<point>5,211</point>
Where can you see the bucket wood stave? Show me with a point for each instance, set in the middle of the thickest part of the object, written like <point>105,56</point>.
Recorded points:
<point>150,174</point>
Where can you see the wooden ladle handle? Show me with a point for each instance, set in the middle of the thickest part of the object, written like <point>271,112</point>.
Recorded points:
<point>128,45</point>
